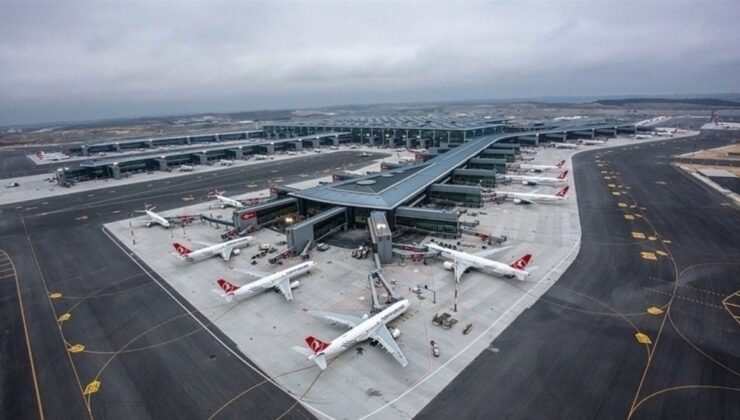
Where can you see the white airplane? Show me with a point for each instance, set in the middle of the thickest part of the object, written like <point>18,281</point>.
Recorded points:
<point>535,180</point>
<point>361,329</point>
<point>280,281</point>
<point>566,146</point>
<point>154,218</point>
<point>534,198</point>
<point>541,168</point>
<point>593,142</point>
<point>226,201</point>
<point>224,249</point>
<point>462,261</point>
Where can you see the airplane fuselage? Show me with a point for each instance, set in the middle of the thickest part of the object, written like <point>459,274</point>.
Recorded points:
<point>155,218</point>
<point>216,249</point>
<point>480,263</point>
<point>363,331</point>
<point>534,197</point>
<point>273,279</point>
<point>228,202</point>
<point>533,180</point>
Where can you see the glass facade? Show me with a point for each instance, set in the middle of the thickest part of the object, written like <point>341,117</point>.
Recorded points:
<point>472,200</point>
<point>272,213</point>
<point>488,181</point>
<point>428,225</point>
<point>331,224</point>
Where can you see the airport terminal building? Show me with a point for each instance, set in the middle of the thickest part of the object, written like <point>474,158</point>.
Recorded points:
<point>419,196</point>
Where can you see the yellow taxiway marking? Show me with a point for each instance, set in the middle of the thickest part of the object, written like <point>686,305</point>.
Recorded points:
<point>92,388</point>
<point>64,317</point>
<point>76,348</point>
<point>648,255</point>
<point>629,217</point>
<point>622,205</point>
<point>654,310</point>
<point>653,238</point>
<point>616,193</point>
<point>643,338</point>
<point>55,295</point>
<point>638,235</point>
<point>661,253</point>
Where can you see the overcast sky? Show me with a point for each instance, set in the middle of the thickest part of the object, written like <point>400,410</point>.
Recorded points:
<point>77,61</point>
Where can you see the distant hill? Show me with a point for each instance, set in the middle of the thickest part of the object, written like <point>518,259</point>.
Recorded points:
<point>687,101</point>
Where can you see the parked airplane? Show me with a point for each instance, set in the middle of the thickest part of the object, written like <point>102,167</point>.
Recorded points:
<point>154,218</point>
<point>535,180</point>
<point>280,281</point>
<point>566,146</point>
<point>534,198</point>
<point>361,329</point>
<point>226,201</point>
<point>224,249</point>
<point>541,168</point>
<point>462,261</point>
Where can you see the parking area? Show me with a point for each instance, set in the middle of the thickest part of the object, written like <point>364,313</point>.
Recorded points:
<point>365,380</point>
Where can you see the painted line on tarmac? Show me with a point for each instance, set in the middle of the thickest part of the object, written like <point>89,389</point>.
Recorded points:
<point>218,339</point>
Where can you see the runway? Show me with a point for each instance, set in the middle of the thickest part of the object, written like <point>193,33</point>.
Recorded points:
<point>151,355</point>
<point>671,245</point>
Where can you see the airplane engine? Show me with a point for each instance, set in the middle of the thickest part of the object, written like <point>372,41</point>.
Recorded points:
<point>236,251</point>
<point>295,284</point>
<point>528,183</point>
<point>519,201</point>
<point>395,332</point>
<point>449,265</point>
<point>148,224</point>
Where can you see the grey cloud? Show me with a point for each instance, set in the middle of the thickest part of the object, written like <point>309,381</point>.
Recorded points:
<point>72,61</point>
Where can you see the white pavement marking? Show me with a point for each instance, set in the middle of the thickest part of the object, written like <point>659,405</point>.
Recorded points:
<point>249,365</point>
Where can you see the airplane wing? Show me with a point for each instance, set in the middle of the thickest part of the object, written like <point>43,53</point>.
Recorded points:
<point>226,253</point>
<point>384,337</point>
<point>349,321</point>
<point>283,286</point>
<point>254,273</point>
<point>203,243</point>
<point>490,251</point>
<point>460,268</point>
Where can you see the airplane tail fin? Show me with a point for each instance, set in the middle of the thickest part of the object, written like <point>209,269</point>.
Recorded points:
<point>563,175</point>
<point>313,352</point>
<point>522,262</point>
<point>182,249</point>
<point>315,344</point>
<point>228,289</point>
<point>561,163</point>
<point>563,192</point>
